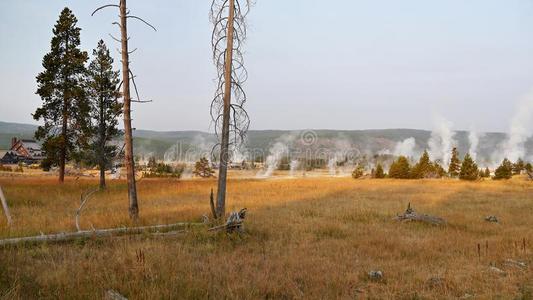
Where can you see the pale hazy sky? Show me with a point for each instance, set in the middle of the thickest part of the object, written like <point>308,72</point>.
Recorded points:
<point>336,64</point>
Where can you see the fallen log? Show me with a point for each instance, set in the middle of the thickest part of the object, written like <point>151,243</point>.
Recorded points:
<point>234,223</point>
<point>69,236</point>
<point>411,215</point>
<point>6,208</point>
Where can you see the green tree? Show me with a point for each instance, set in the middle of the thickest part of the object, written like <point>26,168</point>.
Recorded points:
<point>203,169</point>
<point>424,168</point>
<point>484,173</point>
<point>379,173</point>
<point>102,82</point>
<point>504,171</point>
<point>518,167</point>
<point>400,168</point>
<point>60,86</point>
<point>359,171</point>
<point>455,164</point>
<point>469,169</point>
<point>528,168</point>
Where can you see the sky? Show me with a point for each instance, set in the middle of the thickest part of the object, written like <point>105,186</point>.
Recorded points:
<point>336,64</point>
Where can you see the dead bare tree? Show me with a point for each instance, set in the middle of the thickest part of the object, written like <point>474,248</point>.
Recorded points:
<point>127,77</point>
<point>230,119</point>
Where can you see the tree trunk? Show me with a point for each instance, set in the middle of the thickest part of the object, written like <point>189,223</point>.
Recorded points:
<point>128,139</point>
<point>63,150</point>
<point>224,145</point>
<point>64,127</point>
<point>102,143</point>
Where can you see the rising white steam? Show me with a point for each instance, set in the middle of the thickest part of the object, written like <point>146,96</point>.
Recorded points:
<point>520,130</point>
<point>279,150</point>
<point>294,167</point>
<point>442,141</point>
<point>343,150</point>
<point>405,147</point>
<point>473,138</point>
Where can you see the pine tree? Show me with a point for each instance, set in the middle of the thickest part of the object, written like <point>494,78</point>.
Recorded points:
<point>61,89</point>
<point>504,171</point>
<point>518,167</point>
<point>424,168</point>
<point>400,168</point>
<point>379,173</point>
<point>484,173</point>
<point>469,169</point>
<point>455,164</point>
<point>105,109</point>
<point>359,171</point>
<point>203,169</point>
<point>487,173</point>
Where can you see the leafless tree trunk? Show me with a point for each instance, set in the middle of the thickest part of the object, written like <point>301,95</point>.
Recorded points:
<point>128,132</point>
<point>229,116</point>
<point>127,76</point>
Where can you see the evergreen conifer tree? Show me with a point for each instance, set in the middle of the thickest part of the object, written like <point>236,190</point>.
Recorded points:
<point>65,110</point>
<point>504,171</point>
<point>455,164</point>
<point>379,173</point>
<point>469,169</point>
<point>400,168</point>
<point>103,82</point>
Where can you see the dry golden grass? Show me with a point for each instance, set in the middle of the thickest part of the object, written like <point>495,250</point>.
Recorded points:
<point>313,238</point>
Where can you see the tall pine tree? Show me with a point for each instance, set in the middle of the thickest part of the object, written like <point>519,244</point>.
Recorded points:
<point>64,109</point>
<point>455,164</point>
<point>102,82</point>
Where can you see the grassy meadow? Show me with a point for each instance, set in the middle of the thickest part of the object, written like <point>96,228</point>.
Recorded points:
<point>306,238</point>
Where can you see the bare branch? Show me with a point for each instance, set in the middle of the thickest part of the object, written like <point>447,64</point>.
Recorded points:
<point>140,19</point>
<point>102,7</point>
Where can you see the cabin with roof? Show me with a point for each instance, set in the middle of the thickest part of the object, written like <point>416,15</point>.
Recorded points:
<point>22,150</point>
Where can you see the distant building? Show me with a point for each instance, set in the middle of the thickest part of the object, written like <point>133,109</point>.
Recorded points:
<point>25,151</point>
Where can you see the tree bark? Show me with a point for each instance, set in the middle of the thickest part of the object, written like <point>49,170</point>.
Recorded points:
<point>224,145</point>
<point>64,127</point>
<point>69,236</point>
<point>102,138</point>
<point>128,135</point>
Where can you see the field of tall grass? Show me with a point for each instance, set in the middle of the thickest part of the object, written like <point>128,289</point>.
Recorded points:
<point>307,238</point>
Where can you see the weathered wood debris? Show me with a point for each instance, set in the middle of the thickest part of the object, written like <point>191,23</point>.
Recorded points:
<point>492,219</point>
<point>69,236</point>
<point>234,223</point>
<point>411,215</point>
<point>6,208</point>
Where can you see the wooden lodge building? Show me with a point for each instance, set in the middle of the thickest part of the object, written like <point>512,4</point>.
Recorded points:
<point>22,151</point>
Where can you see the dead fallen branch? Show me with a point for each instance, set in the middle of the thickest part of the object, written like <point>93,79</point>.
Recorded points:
<point>411,215</point>
<point>234,223</point>
<point>69,236</point>
<point>114,295</point>
<point>83,200</point>
<point>6,208</point>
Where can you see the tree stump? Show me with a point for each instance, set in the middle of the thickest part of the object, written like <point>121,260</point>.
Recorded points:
<point>411,215</point>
